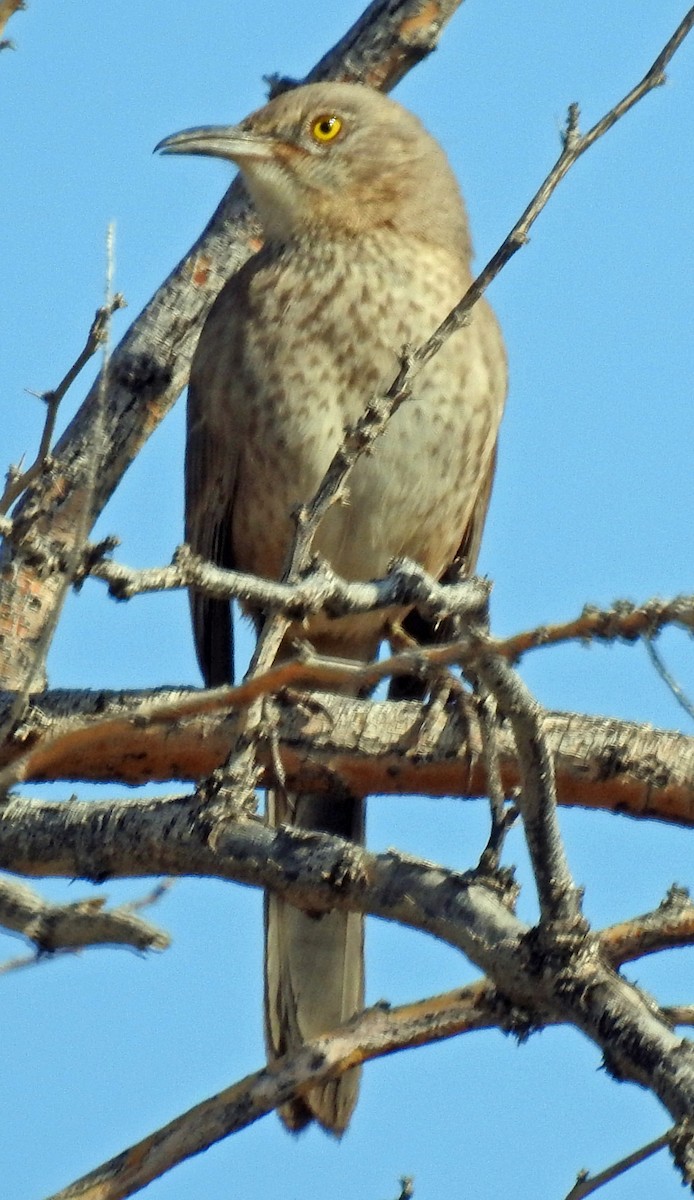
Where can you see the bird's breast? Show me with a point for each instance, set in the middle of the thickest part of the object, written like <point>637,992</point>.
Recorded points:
<point>322,333</point>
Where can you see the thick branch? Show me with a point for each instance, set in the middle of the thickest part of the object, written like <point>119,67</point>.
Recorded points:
<point>376,1032</point>
<point>373,748</point>
<point>319,871</point>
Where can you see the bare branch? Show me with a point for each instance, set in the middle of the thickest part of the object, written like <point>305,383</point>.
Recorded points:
<point>600,762</point>
<point>501,817</point>
<point>624,621</point>
<point>669,679</point>
<point>587,1184</point>
<point>678,1014</point>
<point>72,926</point>
<point>319,871</point>
<point>670,925</point>
<point>32,676</point>
<point>376,1032</point>
<point>319,590</point>
<point>574,145</point>
<point>97,336</point>
<point>559,898</point>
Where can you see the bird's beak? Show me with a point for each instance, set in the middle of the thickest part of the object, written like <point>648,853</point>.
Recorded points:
<point>219,141</point>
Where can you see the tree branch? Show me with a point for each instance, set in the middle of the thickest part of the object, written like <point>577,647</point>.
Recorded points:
<point>97,336</point>
<point>317,871</point>
<point>537,799</point>
<point>374,1033</point>
<point>72,926</point>
<point>330,872</point>
<point>381,748</point>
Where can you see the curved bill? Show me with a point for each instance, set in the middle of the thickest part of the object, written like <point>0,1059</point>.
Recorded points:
<point>218,141</point>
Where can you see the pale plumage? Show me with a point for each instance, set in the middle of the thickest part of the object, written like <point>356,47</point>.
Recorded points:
<point>366,250</point>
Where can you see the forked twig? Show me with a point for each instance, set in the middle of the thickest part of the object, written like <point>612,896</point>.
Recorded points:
<point>99,336</point>
<point>18,482</point>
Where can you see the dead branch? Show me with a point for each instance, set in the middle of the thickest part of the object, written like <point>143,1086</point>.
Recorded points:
<point>586,1184</point>
<point>18,481</point>
<point>381,1030</point>
<point>623,621</point>
<point>380,749</point>
<point>670,925</point>
<point>537,798</point>
<point>378,1031</point>
<point>72,926</point>
<point>320,589</point>
<point>318,871</point>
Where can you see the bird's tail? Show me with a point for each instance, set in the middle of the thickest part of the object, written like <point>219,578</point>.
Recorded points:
<point>314,966</point>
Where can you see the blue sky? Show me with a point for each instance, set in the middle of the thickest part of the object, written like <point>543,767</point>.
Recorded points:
<point>593,501</point>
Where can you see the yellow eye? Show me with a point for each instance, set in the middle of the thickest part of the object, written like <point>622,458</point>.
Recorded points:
<point>326,128</point>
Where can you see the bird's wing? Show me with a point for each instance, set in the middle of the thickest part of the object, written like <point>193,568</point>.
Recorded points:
<point>465,560</point>
<point>211,475</point>
<point>423,630</point>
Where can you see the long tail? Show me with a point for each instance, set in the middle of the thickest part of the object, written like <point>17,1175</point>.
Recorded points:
<point>314,967</point>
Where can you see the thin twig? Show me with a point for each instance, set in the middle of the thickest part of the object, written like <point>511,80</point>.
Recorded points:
<point>623,621</point>
<point>574,145</point>
<point>319,590</point>
<point>668,678</point>
<point>90,468</point>
<point>678,1014</point>
<point>19,482</point>
<point>501,817</point>
<point>587,1184</point>
<point>150,898</point>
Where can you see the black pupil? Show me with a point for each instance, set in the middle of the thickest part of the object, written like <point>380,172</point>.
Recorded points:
<point>326,126</point>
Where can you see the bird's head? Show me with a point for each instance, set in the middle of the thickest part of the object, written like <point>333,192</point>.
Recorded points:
<point>337,159</point>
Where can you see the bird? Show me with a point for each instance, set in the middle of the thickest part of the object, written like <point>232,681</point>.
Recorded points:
<point>365,249</point>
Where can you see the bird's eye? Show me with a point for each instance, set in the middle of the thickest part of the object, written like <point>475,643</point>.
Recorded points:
<point>326,128</point>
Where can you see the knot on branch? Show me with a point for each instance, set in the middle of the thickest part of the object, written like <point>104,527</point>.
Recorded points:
<point>95,553</point>
<point>561,948</point>
<point>141,375</point>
